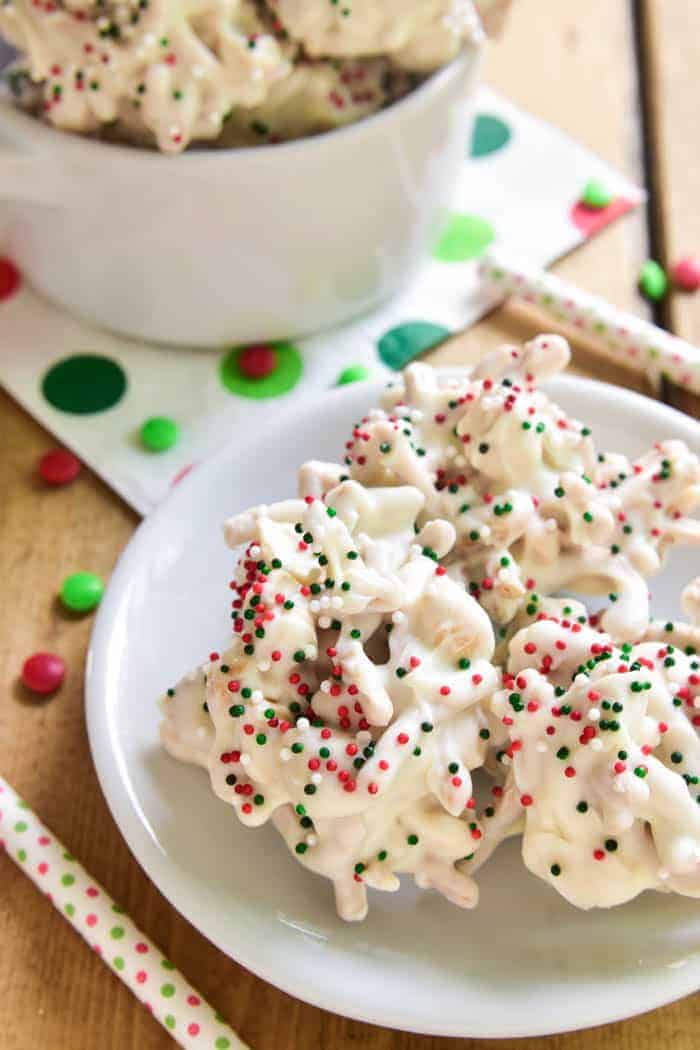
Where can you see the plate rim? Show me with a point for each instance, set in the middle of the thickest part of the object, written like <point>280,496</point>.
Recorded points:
<point>123,807</point>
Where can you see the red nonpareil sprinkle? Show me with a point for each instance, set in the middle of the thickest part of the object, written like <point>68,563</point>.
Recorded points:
<point>599,854</point>
<point>233,687</point>
<point>445,690</point>
<point>350,785</point>
<point>526,800</point>
<point>530,648</point>
<point>569,772</point>
<point>440,570</point>
<point>58,466</point>
<point>351,749</point>
<point>550,730</point>
<point>619,767</point>
<point>383,764</point>
<point>314,763</point>
<point>663,728</point>
<point>477,679</point>
<point>373,788</point>
<point>476,834</point>
<point>457,781</point>
<point>402,738</point>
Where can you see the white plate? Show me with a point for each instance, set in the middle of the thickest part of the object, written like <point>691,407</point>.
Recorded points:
<point>523,963</point>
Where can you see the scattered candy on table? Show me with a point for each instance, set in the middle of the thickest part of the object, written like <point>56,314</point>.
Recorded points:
<point>58,466</point>
<point>353,374</point>
<point>159,433</point>
<point>653,282</point>
<point>43,673</point>
<point>686,274</point>
<point>258,361</point>
<point>596,195</point>
<point>82,591</point>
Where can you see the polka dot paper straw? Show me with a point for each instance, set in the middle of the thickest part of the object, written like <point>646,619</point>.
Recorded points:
<point>622,336</point>
<point>110,933</point>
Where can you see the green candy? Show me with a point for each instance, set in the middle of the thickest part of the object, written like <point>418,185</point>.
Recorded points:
<point>596,195</point>
<point>82,591</point>
<point>653,282</point>
<point>353,374</point>
<point>159,433</point>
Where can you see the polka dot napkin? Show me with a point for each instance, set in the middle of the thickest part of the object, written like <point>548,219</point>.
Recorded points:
<point>95,390</point>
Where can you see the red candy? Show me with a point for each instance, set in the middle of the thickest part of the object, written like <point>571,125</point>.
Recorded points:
<point>686,274</point>
<point>9,279</point>
<point>43,673</point>
<point>258,361</point>
<point>58,466</point>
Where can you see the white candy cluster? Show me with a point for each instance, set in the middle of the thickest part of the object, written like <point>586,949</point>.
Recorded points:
<point>363,687</point>
<point>232,71</point>
<point>348,706</point>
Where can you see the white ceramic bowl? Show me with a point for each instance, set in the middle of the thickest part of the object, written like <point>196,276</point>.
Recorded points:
<point>225,246</point>
<point>525,962</point>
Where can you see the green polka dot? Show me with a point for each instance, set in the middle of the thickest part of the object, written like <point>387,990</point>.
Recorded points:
<point>222,1043</point>
<point>21,804</point>
<point>21,855</point>
<point>353,374</point>
<point>70,910</point>
<point>84,383</point>
<point>167,991</point>
<point>67,880</point>
<point>117,909</point>
<point>169,1021</point>
<point>167,965</point>
<point>401,344</point>
<point>465,237</point>
<point>490,134</point>
<point>118,962</point>
<point>284,377</point>
<point>116,933</point>
<point>69,857</point>
<point>20,826</point>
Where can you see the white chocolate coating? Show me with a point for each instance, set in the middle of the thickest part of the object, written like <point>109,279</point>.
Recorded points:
<point>342,711</point>
<point>233,72</point>
<point>535,508</point>
<point>363,687</point>
<point>602,763</point>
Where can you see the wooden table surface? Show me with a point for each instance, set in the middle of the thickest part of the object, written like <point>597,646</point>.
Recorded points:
<point>622,77</point>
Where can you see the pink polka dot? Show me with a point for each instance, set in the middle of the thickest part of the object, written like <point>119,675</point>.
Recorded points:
<point>142,976</point>
<point>43,868</point>
<point>92,892</point>
<point>592,220</point>
<point>183,473</point>
<point>9,279</point>
<point>193,1000</point>
<point>91,920</point>
<point>97,949</point>
<point>44,840</point>
<point>193,1029</point>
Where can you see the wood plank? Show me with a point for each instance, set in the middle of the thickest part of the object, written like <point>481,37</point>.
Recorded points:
<point>573,64</point>
<point>670,37</point>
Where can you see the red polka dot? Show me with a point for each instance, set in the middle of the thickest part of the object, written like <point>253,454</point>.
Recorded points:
<point>44,840</point>
<point>43,868</point>
<point>9,279</point>
<point>591,220</point>
<point>193,1000</point>
<point>193,1029</point>
<point>92,892</point>
<point>91,920</point>
<point>141,948</point>
<point>142,976</point>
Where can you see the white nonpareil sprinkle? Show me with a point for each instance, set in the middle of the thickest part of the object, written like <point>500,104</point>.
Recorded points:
<point>303,723</point>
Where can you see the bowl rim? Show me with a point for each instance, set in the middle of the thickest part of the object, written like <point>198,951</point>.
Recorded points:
<point>22,129</point>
